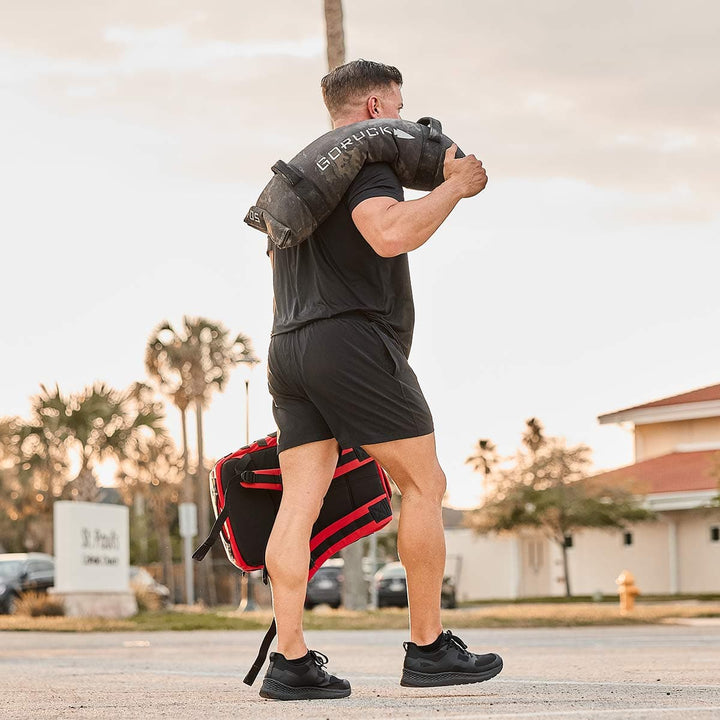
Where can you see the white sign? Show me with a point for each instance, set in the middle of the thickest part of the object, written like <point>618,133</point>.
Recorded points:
<point>187,515</point>
<point>92,547</point>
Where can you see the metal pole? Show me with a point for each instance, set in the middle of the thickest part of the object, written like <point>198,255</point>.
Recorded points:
<point>248,602</point>
<point>373,570</point>
<point>189,584</point>
<point>247,411</point>
<point>187,516</point>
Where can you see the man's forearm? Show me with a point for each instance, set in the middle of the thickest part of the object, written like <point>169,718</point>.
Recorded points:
<point>412,223</point>
<point>404,226</point>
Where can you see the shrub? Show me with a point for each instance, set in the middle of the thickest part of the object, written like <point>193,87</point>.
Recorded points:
<point>147,601</point>
<point>34,604</point>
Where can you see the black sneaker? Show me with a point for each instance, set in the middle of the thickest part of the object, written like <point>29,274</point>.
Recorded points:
<point>446,662</point>
<point>302,679</point>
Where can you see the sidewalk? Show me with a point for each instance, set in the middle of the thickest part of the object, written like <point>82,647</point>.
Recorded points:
<point>598,673</point>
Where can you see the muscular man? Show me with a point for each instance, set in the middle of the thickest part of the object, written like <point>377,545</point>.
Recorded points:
<point>339,376</point>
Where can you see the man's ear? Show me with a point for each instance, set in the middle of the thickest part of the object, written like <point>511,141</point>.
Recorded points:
<point>373,106</point>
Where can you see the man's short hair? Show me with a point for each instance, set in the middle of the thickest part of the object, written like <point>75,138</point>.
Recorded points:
<point>356,78</point>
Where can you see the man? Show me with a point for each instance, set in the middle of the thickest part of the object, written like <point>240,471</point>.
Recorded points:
<point>339,376</point>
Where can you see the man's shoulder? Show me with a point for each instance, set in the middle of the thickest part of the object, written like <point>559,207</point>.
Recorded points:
<point>376,171</point>
<point>374,180</point>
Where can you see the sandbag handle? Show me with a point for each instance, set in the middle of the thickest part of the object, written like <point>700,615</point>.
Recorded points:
<point>435,126</point>
<point>290,174</point>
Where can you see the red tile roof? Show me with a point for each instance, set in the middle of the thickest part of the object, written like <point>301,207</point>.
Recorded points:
<point>705,394</point>
<point>676,472</point>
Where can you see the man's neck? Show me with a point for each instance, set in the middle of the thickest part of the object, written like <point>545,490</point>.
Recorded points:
<point>349,120</point>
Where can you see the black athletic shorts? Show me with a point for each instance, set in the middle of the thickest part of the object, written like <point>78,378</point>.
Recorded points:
<point>344,377</point>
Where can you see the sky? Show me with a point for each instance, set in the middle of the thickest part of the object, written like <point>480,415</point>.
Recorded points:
<point>134,136</point>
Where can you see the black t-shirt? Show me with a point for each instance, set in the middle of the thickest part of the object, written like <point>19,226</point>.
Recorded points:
<point>336,271</point>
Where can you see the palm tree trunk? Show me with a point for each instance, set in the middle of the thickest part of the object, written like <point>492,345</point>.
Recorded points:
<point>188,497</point>
<point>334,33</point>
<point>207,576</point>
<point>187,479</point>
<point>162,529</point>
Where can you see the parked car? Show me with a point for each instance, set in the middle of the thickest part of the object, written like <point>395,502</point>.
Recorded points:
<point>391,586</point>
<point>142,581</point>
<point>326,585</point>
<point>21,572</point>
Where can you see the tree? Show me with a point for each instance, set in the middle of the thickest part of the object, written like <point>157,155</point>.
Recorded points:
<point>153,471</point>
<point>547,488</point>
<point>334,33</point>
<point>166,362</point>
<point>484,460</point>
<point>190,365</point>
<point>63,433</point>
<point>95,424</point>
<point>33,472</point>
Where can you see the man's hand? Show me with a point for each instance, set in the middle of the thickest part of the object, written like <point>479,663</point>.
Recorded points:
<point>392,228</point>
<point>466,173</point>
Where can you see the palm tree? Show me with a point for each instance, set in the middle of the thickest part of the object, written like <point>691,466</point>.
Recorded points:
<point>152,469</point>
<point>33,471</point>
<point>191,365</point>
<point>85,427</point>
<point>534,437</point>
<point>484,457</point>
<point>212,355</point>
<point>97,423</point>
<point>166,363</point>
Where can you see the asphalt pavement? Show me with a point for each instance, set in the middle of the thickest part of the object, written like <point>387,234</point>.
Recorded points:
<point>653,672</point>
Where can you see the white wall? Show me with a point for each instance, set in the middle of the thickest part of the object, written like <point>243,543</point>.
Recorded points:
<point>489,567</point>
<point>528,565</point>
<point>598,557</point>
<point>699,558</point>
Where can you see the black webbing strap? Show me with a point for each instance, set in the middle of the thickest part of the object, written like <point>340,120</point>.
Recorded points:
<point>435,126</point>
<point>290,174</point>
<point>303,187</point>
<point>360,454</point>
<point>210,540</point>
<point>262,654</point>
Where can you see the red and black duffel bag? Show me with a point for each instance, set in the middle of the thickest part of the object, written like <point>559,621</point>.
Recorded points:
<point>246,487</point>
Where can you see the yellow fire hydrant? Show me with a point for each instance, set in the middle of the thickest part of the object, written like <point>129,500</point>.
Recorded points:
<point>627,590</point>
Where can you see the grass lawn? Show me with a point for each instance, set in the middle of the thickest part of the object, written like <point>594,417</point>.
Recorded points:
<point>555,614</point>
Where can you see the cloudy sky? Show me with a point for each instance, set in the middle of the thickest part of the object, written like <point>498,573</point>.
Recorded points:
<point>135,135</point>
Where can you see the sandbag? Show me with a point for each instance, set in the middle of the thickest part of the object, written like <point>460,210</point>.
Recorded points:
<point>303,192</point>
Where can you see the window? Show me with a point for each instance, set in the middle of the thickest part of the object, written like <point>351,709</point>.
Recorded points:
<point>568,541</point>
<point>715,533</point>
<point>627,538</point>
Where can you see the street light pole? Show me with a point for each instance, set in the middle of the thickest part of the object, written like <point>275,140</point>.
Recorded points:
<point>248,602</point>
<point>247,411</point>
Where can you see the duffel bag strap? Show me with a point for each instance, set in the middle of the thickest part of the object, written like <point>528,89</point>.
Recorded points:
<point>262,654</point>
<point>211,539</point>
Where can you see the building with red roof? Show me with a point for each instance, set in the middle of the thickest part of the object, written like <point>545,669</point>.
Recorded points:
<point>676,470</point>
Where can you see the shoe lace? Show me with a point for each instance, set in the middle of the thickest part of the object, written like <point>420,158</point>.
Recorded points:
<point>455,640</point>
<point>319,659</point>
<point>450,638</point>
